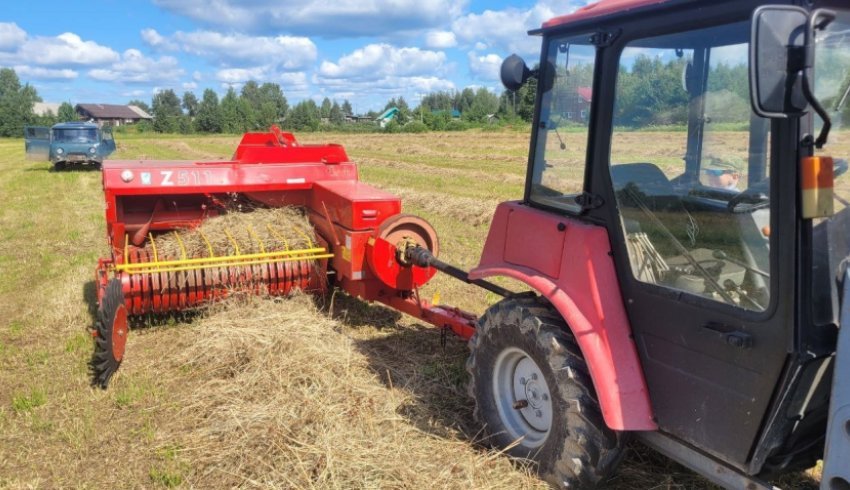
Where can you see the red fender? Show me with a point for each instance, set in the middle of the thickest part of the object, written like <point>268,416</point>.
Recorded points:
<point>569,263</point>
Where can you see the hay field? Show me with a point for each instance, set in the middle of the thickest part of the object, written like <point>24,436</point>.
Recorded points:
<point>297,393</point>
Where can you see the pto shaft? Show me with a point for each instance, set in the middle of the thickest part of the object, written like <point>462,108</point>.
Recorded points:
<point>422,257</point>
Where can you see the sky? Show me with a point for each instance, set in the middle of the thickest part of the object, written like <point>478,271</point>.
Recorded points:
<point>365,51</point>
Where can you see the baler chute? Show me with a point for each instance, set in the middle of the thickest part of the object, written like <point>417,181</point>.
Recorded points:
<point>357,234</point>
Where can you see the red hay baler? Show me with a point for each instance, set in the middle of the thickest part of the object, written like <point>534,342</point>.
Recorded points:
<point>360,235</point>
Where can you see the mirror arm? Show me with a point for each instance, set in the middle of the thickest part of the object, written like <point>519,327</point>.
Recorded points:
<point>817,21</point>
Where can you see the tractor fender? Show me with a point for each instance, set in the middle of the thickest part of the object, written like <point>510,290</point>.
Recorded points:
<point>569,263</point>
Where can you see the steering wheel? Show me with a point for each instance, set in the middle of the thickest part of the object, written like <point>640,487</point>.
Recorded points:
<point>754,198</point>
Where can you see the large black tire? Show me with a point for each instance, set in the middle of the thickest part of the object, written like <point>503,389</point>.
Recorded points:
<point>110,336</point>
<point>514,399</point>
<point>59,166</point>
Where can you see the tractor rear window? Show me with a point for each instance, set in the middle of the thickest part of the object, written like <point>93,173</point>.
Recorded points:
<point>75,135</point>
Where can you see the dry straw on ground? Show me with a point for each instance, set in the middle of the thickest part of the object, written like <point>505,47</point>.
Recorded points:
<point>251,230</point>
<point>282,399</point>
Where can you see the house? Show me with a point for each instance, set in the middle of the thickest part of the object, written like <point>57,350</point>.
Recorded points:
<point>111,114</point>
<point>387,116</point>
<point>574,103</point>
<point>454,113</point>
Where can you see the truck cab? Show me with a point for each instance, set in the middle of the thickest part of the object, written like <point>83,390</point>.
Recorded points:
<point>69,143</point>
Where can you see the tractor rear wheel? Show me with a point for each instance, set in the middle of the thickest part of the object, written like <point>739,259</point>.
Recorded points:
<point>534,396</point>
<point>112,327</point>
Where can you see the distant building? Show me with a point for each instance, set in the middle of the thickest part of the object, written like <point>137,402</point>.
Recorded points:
<point>114,115</point>
<point>45,108</point>
<point>574,104</point>
<point>387,116</point>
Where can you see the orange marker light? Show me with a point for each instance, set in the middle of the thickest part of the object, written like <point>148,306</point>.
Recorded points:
<point>816,181</point>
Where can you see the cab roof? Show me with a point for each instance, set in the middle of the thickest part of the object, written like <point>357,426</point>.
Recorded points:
<point>75,125</point>
<point>603,8</point>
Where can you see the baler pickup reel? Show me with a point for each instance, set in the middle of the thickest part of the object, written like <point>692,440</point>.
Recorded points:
<point>278,217</point>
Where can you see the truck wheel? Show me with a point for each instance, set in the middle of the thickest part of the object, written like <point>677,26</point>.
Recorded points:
<point>58,166</point>
<point>534,396</point>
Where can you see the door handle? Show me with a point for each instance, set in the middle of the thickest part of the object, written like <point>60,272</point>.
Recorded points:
<point>729,335</point>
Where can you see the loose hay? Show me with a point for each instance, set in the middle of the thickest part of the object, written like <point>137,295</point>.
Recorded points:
<point>284,228</point>
<point>281,399</point>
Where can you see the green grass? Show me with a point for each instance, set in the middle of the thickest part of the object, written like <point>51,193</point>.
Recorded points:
<point>25,403</point>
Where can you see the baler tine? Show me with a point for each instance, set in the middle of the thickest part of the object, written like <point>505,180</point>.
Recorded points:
<point>359,234</point>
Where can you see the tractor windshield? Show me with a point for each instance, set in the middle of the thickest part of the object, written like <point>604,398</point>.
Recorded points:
<point>75,135</point>
<point>832,236</point>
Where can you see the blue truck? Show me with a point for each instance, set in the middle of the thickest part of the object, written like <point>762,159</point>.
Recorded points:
<point>69,143</point>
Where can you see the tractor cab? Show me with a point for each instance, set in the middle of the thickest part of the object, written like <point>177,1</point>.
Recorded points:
<point>705,141</point>
<point>69,143</point>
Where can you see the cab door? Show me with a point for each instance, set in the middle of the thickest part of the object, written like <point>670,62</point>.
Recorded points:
<point>701,277</point>
<point>37,143</point>
<point>107,141</point>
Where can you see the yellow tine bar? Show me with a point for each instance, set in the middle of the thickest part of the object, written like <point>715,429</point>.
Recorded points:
<point>303,235</point>
<point>180,244</point>
<point>209,245</point>
<point>257,238</point>
<point>159,268</point>
<point>226,260</point>
<point>278,236</point>
<point>233,241</point>
<point>153,246</point>
<point>126,248</point>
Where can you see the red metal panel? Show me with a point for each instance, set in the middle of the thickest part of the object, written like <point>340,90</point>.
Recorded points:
<point>599,9</point>
<point>354,205</point>
<point>587,295</point>
<point>530,234</point>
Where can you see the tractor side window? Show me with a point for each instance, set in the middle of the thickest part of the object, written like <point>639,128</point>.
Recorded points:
<point>689,166</point>
<point>561,145</point>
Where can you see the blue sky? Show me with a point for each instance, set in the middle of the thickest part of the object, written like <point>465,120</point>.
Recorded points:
<point>366,51</point>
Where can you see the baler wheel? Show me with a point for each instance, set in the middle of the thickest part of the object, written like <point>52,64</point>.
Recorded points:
<point>534,396</point>
<point>112,327</point>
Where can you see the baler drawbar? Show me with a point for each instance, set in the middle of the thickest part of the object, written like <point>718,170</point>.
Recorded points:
<point>358,237</point>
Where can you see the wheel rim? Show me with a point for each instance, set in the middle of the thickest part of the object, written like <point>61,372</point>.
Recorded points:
<point>119,333</point>
<point>522,397</point>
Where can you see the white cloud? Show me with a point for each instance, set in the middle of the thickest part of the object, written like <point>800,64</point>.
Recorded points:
<point>11,35</point>
<point>197,76</point>
<point>189,85</point>
<point>484,67</point>
<point>41,73</point>
<point>377,61</point>
<point>287,52</point>
<point>342,18</point>
<point>440,39</point>
<point>507,30</point>
<point>242,75</point>
<point>64,49</point>
<point>156,40</point>
<point>134,67</point>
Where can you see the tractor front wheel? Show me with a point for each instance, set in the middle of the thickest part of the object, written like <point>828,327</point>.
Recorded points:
<point>112,327</point>
<point>534,396</point>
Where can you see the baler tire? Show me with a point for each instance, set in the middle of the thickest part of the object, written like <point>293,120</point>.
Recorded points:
<point>104,361</point>
<point>577,450</point>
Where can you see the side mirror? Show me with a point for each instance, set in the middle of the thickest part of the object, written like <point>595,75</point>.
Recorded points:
<point>514,72</point>
<point>778,55</point>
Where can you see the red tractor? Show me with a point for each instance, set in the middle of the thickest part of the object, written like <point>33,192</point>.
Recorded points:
<point>683,233</point>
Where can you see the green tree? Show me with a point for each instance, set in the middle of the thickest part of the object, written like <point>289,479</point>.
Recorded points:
<point>346,108</point>
<point>336,115</point>
<point>304,116</point>
<point>236,113</point>
<point>16,103</point>
<point>208,119</point>
<point>483,103</point>
<point>325,109</point>
<point>190,104</point>
<point>166,112</point>
<point>67,112</point>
